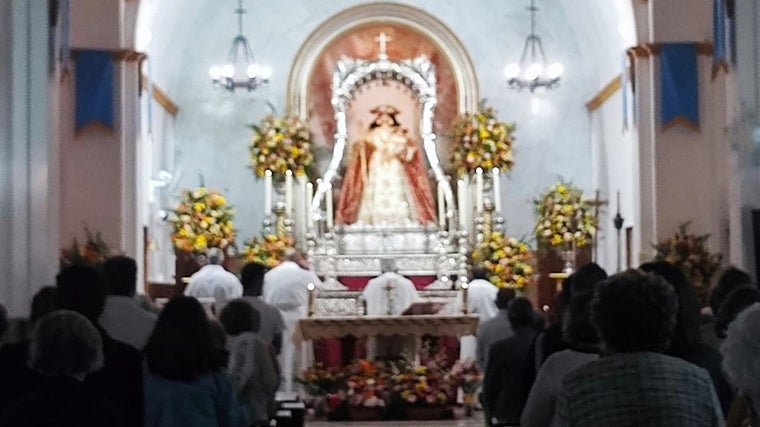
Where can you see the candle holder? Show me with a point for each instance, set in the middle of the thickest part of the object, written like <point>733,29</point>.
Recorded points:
<point>465,286</point>
<point>310,308</point>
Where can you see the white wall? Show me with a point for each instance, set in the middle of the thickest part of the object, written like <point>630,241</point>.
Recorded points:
<point>27,170</point>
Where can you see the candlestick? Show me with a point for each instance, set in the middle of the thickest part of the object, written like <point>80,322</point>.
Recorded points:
<point>465,287</point>
<point>267,193</point>
<point>441,207</point>
<point>309,196</point>
<point>310,308</point>
<point>496,176</point>
<point>461,203</point>
<point>479,189</point>
<point>329,206</point>
<point>289,193</point>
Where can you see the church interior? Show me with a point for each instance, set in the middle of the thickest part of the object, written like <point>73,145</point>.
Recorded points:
<point>631,123</point>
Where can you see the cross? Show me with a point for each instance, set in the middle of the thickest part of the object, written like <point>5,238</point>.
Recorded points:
<point>383,39</point>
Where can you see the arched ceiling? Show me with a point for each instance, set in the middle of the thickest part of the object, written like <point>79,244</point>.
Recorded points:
<point>604,28</point>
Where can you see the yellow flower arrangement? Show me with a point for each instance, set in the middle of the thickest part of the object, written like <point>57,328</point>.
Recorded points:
<point>480,140</point>
<point>565,217</point>
<point>509,262</point>
<point>201,220</point>
<point>268,249</point>
<point>280,144</point>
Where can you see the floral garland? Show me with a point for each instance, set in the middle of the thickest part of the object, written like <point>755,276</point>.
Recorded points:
<point>280,144</point>
<point>94,251</point>
<point>565,217</point>
<point>689,253</point>
<point>481,141</point>
<point>267,249</point>
<point>201,220</point>
<point>509,262</point>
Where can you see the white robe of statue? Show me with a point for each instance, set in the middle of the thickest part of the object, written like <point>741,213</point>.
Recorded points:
<point>481,300</point>
<point>388,294</point>
<point>285,288</point>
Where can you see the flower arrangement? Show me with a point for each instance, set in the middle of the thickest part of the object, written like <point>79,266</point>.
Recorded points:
<point>565,217</point>
<point>509,262</point>
<point>424,386</point>
<point>320,380</point>
<point>267,249</point>
<point>481,141</point>
<point>280,144</point>
<point>367,384</point>
<point>94,251</point>
<point>466,374</point>
<point>201,220</point>
<point>689,252</point>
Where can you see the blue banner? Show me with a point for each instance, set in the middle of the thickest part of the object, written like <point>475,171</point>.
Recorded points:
<point>679,85</point>
<point>94,88</point>
<point>720,37</point>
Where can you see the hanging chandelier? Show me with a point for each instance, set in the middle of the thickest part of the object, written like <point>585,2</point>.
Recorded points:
<point>532,71</point>
<point>240,71</point>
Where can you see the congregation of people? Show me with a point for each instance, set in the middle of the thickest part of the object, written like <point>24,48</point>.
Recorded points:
<point>631,349</point>
<point>96,354</point>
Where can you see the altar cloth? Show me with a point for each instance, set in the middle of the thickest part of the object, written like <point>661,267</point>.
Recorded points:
<point>372,326</point>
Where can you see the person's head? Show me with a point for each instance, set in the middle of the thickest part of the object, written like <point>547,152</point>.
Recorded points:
<point>252,278</point>
<point>686,337</point>
<point>503,297</point>
<point>121,275</point>
<point>479,273</point>
<point>385,115</point>
<point>388,265</point>
<point>215,256</point>
<point>520,313</point>
<point>65,343</point>
<point>238,316</point>
<point>577,329</point>
<point>45,301</point>
<point>586,278</point>
<point>730,279</point>
<point>81,288</point>
<point>736,302</point>
<point>296,256</point>
<point>740,350</point>
<point>565,293</point>
<point>634,311</point>
<point>181,345</point>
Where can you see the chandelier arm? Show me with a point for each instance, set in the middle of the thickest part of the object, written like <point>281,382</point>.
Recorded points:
<point>537,41</point>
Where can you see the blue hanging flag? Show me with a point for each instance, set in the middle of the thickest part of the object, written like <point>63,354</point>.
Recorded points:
<point>720,38</point>
<point>678,83</point>
<point>94,88</point>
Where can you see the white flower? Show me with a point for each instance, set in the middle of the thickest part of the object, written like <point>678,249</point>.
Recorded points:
<point>204,225</point>
<point>547,233</point>
<point>185,218</point>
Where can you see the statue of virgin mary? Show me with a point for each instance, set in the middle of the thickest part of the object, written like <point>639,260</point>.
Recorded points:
<point>386,182</point>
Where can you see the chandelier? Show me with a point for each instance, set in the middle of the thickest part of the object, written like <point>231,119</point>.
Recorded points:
<point>532,71</point>
<point>240,71</point>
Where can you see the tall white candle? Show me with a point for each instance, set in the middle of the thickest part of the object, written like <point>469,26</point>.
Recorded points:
<point>329,206</point>
<point>479,190</point>
<point>289,193</point>
<point>496,176</point>
<point>461,203</point>
<point>441,207</point>
<point>309,196</point>
<point>267,193</point>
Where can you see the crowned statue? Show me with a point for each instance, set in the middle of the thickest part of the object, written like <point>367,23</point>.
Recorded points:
<point>386,182</point>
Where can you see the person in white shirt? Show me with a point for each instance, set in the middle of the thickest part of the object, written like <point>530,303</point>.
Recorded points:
<point>271,324</point>
<point>285,287</point>
<point>389,294</point>
<point>213,281</point>
<point>481,300</point>
<point>122,317</point>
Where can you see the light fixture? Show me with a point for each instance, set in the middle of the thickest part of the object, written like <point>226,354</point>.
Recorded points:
<point>240,71</point>
<point>532,72</point>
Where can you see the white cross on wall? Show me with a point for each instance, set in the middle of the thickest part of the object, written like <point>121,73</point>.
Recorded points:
<point>383,40</point>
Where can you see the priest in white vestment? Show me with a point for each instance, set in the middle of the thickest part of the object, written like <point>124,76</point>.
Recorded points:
<point>481,300</point>
<point>285,287</point>
<point>389,294</point>
<point>213,281</point>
